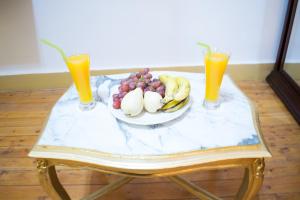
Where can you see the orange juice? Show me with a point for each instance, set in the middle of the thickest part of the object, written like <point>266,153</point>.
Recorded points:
<point>215,66</point>
<point>79,67</point>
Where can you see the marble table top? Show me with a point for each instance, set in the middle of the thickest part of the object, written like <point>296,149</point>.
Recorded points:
<point>233,124</point>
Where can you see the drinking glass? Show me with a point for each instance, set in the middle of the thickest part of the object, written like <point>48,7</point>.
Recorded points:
<point>79,67</point>
<point>215,66</point>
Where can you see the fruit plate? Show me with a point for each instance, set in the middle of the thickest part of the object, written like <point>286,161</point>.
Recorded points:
<point>146,118</point>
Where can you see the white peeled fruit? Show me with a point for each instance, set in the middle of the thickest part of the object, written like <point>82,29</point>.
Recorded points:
<point>152,101</point>
<point>132,103</point>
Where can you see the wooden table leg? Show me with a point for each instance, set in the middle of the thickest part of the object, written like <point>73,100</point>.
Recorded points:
<point>253,179</point>
<point>50,182</point>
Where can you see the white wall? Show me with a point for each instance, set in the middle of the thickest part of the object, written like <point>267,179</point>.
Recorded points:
<point>135,33</point>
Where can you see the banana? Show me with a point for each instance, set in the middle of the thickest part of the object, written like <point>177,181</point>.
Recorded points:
<point>178,106</point>
<point>184,88</point>
<point>170,104</point>
<point>171,87</point>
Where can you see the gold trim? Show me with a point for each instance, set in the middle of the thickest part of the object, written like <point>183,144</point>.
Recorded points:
<point>42,165</point>
<point>259,166</point>
<point>94,153</point>
<point>250,186</point>
<point>159,172</point>
<point>147,168</point>
<point>49,181</point>
<point>253,179</point>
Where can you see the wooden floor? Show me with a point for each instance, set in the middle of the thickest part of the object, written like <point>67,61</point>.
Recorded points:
<point>23,113</point>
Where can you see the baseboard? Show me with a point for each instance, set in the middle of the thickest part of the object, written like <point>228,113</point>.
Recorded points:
<point>61,80</point>
<point>293,70</point>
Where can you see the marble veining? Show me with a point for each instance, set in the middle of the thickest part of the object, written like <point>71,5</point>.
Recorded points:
<point>197,129</point>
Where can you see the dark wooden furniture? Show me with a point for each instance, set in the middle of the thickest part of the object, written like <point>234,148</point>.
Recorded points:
<point>281,82</point>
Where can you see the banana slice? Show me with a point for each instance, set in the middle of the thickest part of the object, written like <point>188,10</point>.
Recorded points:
<point>178,106</point>
<point>170,104</point>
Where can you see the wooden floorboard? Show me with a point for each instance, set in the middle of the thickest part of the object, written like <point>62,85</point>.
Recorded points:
<point>23,113</point>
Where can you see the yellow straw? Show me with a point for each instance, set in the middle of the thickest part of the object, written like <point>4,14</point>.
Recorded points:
<point>206,46</point>
<point>50,44</point>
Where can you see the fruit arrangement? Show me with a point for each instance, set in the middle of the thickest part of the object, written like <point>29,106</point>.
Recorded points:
<point>144,80</point>
<point>140,90</point>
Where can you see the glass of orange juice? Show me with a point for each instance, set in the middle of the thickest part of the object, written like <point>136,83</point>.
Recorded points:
<point>79,67</point>
<point>215,66</point>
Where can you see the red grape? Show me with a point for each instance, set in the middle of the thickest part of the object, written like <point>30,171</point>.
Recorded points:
<point>135,79</point>
<point>156,84</point>
<point>141,85</point>
<point>122,94</point>
<point>132,85</point>
<point>117,104</point>
<point>148,76</point>
<point>138,75</point>
<point>115,96</point>
<point>125,87</point>
<point>146,70</point>
<point>151,88</point>
<point>146,89</point>
<point>161,87</point>
<point>162,93</point>
<point>147,81</point>
<point>161,90</point>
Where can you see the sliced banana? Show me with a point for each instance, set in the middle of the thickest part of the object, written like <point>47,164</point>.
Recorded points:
<point>170,104</point>
<point>178,106</point>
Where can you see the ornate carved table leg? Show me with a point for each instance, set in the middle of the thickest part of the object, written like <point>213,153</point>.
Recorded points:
<point>50,182</point>
<point>253,179</point>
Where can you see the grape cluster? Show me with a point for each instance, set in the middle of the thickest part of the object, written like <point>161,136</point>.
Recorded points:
<point>144,80</point>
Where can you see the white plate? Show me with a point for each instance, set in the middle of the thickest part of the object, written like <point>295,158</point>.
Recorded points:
<point>146,118</point>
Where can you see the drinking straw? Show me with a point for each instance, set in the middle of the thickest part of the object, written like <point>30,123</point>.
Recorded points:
<point>206,46</point>
<point>50,44</point>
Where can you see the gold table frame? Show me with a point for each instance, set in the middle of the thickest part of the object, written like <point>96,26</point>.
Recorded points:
<point>249,157</point>
<point>253,178</point>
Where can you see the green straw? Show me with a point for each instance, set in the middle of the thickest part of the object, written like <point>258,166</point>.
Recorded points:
<point>206,46</point>
<point>50,44</point>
